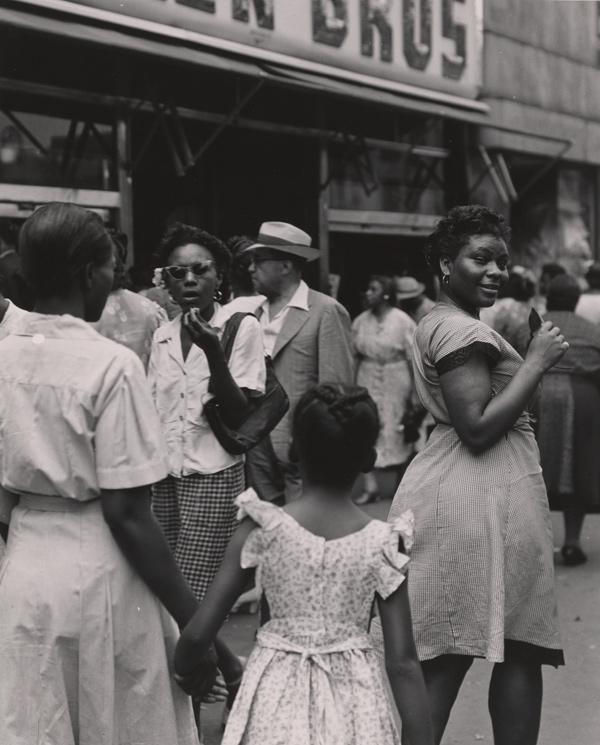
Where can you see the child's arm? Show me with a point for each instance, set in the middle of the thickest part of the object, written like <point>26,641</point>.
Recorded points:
<point>403,668</point>
<point>224,590</point>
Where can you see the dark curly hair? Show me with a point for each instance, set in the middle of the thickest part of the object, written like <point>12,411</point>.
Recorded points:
<point>453,232</point>
<point>335,428</point>
<point>121,280</point>
<point>387,285</point>
<point>241,279</point>
<point>178,234</point>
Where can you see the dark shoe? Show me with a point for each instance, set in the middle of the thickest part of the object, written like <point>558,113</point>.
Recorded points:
<point>572,556</point>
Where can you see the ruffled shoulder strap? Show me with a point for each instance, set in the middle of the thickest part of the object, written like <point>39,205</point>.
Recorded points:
<point>268,516</point>
<point>394,559</point>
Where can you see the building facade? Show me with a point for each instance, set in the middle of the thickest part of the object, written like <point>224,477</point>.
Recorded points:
<point>361,121</point>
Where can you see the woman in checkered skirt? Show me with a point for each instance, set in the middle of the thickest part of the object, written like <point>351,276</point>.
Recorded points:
<point>482,563</point>
<point>195,503</point>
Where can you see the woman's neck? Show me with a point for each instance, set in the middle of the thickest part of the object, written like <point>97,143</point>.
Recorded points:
<point>208,312</point>
<point>449,299</point>
<point>381,311</point>
<point>59,306</point>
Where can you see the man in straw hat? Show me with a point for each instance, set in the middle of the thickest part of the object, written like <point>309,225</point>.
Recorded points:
<point>411,297</point>
<point>308,336</point>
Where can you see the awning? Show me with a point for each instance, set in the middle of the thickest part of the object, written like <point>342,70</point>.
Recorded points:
<point>331,86</point>
<point>65,25</point>
<point>110,37</point>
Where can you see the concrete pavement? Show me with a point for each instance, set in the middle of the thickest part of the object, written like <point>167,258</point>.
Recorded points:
<point>571,714</point>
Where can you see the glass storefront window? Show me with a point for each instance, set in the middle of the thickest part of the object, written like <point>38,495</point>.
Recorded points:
<point>40,150</point>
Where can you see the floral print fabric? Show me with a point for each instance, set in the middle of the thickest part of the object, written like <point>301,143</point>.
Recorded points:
<point>313,676</point>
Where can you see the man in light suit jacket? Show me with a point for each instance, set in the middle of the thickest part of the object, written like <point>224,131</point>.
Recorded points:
<point>308,336</point>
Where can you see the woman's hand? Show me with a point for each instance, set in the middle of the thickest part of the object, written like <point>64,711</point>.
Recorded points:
<point>202,682</point>
<point>547,347</point>
<point>201,333</point>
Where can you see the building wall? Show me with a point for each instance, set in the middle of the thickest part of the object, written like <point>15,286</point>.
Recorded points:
<point>541,76</point>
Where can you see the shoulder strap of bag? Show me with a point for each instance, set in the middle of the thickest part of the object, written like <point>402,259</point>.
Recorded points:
<point>230,332</point>
<point>228,338</point>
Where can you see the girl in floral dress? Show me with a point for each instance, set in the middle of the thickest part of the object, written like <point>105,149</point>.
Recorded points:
<point>313,676</point>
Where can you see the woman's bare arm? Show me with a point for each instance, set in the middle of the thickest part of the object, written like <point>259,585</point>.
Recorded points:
<point>480,418</point>
<point>141,539</point>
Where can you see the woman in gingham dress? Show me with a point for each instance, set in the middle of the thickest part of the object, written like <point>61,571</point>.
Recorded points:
<point>195,503</point>
<point>482,562</point>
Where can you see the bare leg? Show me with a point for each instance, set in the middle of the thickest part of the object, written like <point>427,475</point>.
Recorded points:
<point>515,702</point>
<point>573,523</point>
<point>229,663</point>
<point>443,677</point>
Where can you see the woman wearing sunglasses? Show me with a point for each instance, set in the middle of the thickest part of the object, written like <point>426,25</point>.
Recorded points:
<point>195,503</point>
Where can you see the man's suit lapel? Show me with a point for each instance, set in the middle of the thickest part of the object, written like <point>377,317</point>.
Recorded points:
<point>294,320</point>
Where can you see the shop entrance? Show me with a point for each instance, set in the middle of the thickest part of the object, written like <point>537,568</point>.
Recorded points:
<point>355,257</point>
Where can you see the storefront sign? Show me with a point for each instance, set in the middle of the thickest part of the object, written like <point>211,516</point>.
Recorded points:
<point>435,44</point>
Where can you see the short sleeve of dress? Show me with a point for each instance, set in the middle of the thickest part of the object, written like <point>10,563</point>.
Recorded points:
<point>130,450</point>
<point>457,337</point>
<point>247,362</point>
<point>394,559</point>
<point>267,515</point>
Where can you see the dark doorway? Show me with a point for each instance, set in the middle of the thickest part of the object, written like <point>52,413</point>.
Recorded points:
<point>355,257</point>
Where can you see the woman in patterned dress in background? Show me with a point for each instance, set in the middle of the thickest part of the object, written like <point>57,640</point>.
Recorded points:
<point>382,337</point>
<point>482,563</point>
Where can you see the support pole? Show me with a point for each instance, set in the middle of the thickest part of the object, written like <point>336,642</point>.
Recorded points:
<point>324,217</point>
<point>123,160</point>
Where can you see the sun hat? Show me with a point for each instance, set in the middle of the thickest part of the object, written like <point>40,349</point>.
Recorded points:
<point>281,236</point>
<point>407,287</point>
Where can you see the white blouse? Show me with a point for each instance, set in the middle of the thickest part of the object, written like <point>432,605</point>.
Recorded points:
<point>180,390</point>
<point>76,415</point>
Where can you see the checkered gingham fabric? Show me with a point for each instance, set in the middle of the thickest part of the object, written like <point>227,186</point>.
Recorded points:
<point>198,517</point>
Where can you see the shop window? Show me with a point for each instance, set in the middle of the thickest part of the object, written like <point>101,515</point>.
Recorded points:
<point>380,179</point>
<point>39,150</point>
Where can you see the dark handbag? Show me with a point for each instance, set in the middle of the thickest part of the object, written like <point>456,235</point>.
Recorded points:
<point>264,412</point>
<point>412,421</point>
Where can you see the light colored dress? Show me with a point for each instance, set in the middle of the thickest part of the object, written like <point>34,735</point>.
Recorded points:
<point>86,649</point>
<point>131,319</point>
<point>313,676</point>
<point>385,353</point>
<point>482,561</point>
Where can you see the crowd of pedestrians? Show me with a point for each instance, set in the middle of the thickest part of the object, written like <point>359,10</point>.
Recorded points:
<point>133,528</point>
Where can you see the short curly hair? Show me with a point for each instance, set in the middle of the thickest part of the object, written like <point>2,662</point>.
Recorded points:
<point>453,232</point>
<point>179,234</point>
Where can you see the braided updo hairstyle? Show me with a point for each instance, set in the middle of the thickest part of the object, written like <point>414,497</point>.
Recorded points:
<point>335,429</point>
<point>454,231</point>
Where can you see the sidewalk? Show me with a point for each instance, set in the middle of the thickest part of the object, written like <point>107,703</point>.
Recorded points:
<point>571,714</point>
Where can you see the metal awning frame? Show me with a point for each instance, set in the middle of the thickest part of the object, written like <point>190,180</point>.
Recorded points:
<point>499,173</point>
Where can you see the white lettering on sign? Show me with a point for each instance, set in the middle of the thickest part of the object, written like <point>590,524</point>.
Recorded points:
<point>429,43</point>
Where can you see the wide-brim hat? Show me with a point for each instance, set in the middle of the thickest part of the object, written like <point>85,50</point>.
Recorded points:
<point>407,287</point>
<point>281,236</point>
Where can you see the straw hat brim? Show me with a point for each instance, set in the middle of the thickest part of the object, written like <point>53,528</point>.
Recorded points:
<point>411,293</point>
<point>304,252</point>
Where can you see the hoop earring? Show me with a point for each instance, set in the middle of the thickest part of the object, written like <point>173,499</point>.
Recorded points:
<point>446,279</point>
<point>217,295</point>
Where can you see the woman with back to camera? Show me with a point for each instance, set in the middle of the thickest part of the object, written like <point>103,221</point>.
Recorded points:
<point>195,503</point>
<point>85,645</point>
<point>382,337</point>
<point>482,563</point>
<point>568,409</point>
